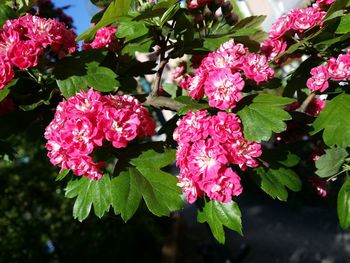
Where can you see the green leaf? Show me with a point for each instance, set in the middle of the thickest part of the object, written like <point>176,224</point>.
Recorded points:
<point>6,13</point>
<point>190,105</point>
<point>88,193</point>
<point>6,90</point>
<point>343,205</point>
<point>115,10</point>
<point>336,6</point>
<point>334,122</point>
<point>83,70</point>
<point>169,14</point>
<point>344,25</point>
<point>158,188</point>
<point>292,160</point>
<point>218,215</point>
<point>275,181</point>
<point>130,30</point>
<point>62,175</point>
<point>330,163</point>
<point>45,98</point>
<point>264,116</point>
<point>248,23</point>
<point>126,195</point>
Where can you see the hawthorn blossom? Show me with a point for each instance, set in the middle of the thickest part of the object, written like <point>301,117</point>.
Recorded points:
<point>273,47</point>
<point>6,72</point>
<point>339,69</point>
<point>305,18</point>
<point>257,68</point>
<point>24,54</point>
<point>223,88</point>
<point>319,79</point>
<point>104,38</point>
<point>83,122</point>
<point>281,26</point>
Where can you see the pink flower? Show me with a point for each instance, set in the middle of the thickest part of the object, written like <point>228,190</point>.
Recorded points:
<point>257,68</point>
<point>196,84</point>
<point>237,50</point>
<point>7,40</point>
<point>104,38</point>
<point>273,47</point>
<point>223,88</point>
<point>282,25</point>
<point>6,72</point>
<point>243,153</point>
<point>324,2</point>
<point>225,127</point>
<point>222,188</point>
<point>207,158</point>
<point>180,70</point>
<point>315,107</point>
<point>305,18</point>
<point>84,121</point>
<point>189,185</point>
<point>24,54</point>
<point>319,79</point>
<point>193,127</point>
<point>339,69</point>
<point>195,4</point>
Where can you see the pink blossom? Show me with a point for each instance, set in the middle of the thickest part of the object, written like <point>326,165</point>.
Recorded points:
<point>324,2</point>
<point>104,38</point>
<point>237,50</point>
<point>257,68</point>
<point>243,153</point>
<point>196,84</point>
<point>305,18</point>
<point>281,26</point>
<point>207,158</point>
<point>24,54</point>
<point>193,127</point>
<point>225,127</point>
<point>223,88</point>
<point>319,79</point>
<point>6,72</point>
<point>189,185</point>
<point>273,47</point>
<point>180,70</point>
<point>222,188</point>
<point>195,4</point>
<point>84,121</point>
<point>339,69</point>
<point>315,107</point>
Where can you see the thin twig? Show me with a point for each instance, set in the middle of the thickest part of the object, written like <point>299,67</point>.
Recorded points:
<point>14,5</point>
<point>306,103</point>
<point>161,102</point>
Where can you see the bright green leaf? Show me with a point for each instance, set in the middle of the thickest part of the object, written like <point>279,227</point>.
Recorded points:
<point>6,13</point>
<point>343,205</point>
<point>264,116</point>
<point>169,14</point>
<point>344,25</point>
<point>334,122</point>
<point>115,10</point>
<point>218,215</point>
<point>330,163</point>
<point>126,195</point>
<point>130,30</point>
<point>62,175</point>
<point>88,193</point>
<point>291,160</point>
<point>158,188</point>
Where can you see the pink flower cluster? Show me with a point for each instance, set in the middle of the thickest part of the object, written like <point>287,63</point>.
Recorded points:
<point>294,23</point>
<point>22,40</point>
<point>219,75</point>
<point>336,69</point>
<point>207,145</point>
<point>104,38</point>
<point>84,121</point>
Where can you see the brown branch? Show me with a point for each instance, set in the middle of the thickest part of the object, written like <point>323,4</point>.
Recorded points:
<point>306,103</point>
<point>161,102</point>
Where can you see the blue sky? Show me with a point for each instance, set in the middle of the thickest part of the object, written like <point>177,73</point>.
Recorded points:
<point>81,11</point>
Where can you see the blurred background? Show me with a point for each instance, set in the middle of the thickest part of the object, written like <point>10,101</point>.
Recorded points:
<point>36,223</point>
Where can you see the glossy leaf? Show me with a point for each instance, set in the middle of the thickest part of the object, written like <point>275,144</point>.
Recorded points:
<point>343,205</point>
<point>336,127</point>
<point>330,163</point>
<point>158,188</point>
<point>264,116</point>
<point>218,215</point>
<point>126,195</point>
<point>115,10</point>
